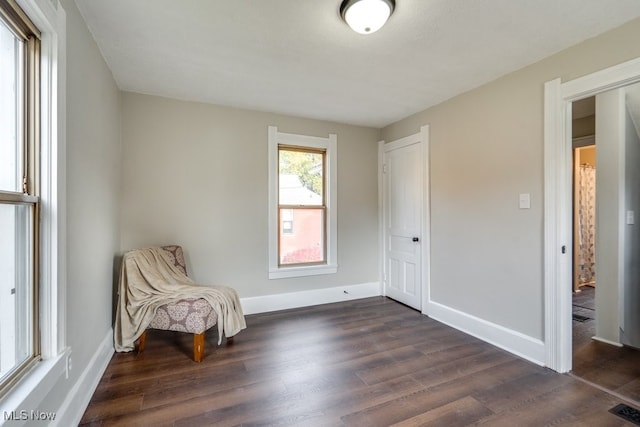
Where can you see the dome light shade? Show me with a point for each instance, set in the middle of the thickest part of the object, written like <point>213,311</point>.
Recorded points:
<point>366,16</point>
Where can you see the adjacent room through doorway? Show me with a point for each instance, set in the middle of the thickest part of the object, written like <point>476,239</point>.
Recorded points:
<point>603,289</point>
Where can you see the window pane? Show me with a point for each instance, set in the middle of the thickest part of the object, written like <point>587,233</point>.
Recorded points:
<point>305,242</point>
<point>286,218</point>
<point>16,289</point>
<point>300,178</point>
<point>10,110</point>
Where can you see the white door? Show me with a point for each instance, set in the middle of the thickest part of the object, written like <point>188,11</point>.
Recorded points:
<point>403,192</point>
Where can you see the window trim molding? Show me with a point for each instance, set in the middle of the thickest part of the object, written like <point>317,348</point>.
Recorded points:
<point>50,18</point>
<point>25,191</point>
<point>329,144</point>
<point>29,391</point>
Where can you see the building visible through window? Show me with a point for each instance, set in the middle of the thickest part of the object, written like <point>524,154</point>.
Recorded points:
<point>301,202</point>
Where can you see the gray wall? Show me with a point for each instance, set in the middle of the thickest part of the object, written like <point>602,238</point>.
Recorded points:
<point>617,243</point>
<point>93,198</point>
<point>93,187</point>
<point>486,148</point>
<point>630,333</point>
<point>610,136</point>
<point>196,175</point>
<point>584,126</point>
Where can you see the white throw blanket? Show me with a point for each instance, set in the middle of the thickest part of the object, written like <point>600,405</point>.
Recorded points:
<point>148,280</point>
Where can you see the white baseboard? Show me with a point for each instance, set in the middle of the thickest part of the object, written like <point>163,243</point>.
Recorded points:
<point>266,303</point>
<point>76,402</point>
<point>512,341</point>
<point>606,341</point>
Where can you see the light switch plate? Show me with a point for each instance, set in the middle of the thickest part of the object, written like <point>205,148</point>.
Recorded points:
<point>631,218</point>
<point>525,201</point>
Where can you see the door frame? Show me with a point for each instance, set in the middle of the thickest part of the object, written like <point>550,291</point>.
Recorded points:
<point>422,137</point>
<point>558,225</point>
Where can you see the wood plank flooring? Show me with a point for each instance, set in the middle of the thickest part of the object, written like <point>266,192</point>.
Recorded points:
<point>614,368</point>
<point>583,304</point>
<point>369,362</point>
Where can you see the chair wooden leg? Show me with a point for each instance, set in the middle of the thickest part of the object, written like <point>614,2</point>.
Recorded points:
<point>142,341</point>
<point>198,347</point>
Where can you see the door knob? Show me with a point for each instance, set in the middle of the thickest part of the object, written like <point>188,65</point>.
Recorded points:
<point>416,239</point>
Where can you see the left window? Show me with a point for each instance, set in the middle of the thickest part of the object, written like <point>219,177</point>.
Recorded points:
<point>19,193</point>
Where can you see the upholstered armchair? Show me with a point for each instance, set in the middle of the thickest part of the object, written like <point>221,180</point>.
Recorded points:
<point>193,316</point>
<point>156,293</point>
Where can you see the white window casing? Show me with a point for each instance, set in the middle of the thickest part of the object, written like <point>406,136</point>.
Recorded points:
<point>50,18</point>
<point>329,145</point>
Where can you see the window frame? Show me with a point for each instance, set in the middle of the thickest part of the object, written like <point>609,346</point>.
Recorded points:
<point>18,23</point>
<point>312,143</point>
<point>321,207</point>
<point>37,383</point>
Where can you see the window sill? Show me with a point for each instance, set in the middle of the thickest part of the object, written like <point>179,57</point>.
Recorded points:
<point>29,393</point>
<point>314,270</point>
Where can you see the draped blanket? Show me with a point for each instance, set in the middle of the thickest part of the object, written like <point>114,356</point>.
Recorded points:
<point>148,280</point>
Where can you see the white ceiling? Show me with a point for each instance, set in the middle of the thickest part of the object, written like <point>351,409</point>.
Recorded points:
<point>299,58</point>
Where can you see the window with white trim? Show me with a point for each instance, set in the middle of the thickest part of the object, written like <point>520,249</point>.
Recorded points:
<point>19,193</point>
<point>302,204</point>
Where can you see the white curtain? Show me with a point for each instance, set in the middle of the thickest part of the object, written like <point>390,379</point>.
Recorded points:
<point>587,225</point>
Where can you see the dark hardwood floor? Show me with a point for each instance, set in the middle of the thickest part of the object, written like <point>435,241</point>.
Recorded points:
<point>614,368</point>
<point>369,362</point>
<point>584,315</point>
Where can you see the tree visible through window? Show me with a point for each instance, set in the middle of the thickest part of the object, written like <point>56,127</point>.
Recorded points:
<point>301,206</point>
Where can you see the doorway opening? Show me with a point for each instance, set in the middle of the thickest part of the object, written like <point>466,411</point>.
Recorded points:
<point>558,190</point>
<point>583,131</point>
<point>606,245</point>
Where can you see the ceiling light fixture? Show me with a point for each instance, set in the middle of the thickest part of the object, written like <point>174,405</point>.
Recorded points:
<point>366,16</point>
